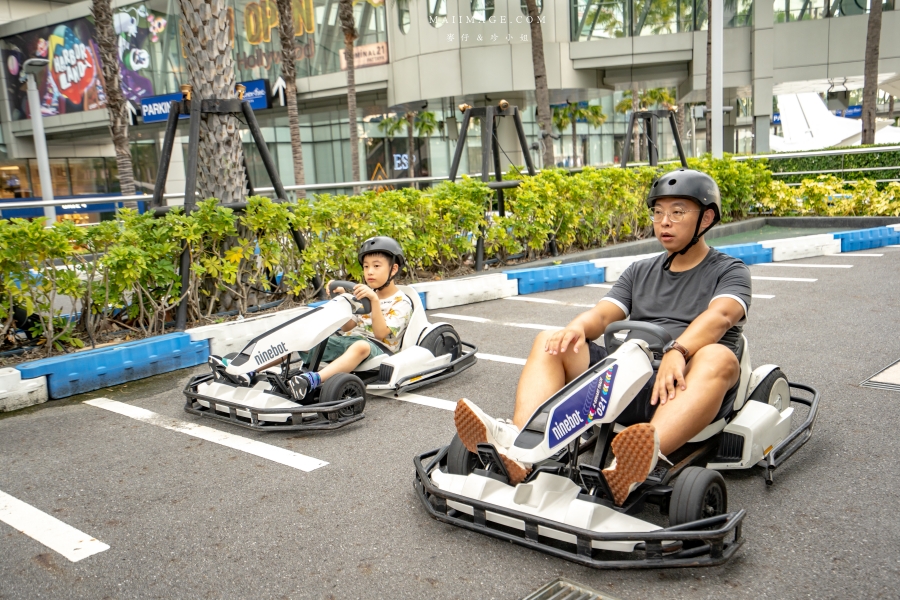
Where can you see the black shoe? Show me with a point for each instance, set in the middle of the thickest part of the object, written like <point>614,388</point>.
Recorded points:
<point>299,386</point>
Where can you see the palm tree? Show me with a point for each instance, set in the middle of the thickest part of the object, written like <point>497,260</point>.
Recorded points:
<point>636,100</point>
<point>423,123</point>
<point>289,73</point>
<point>569,115</point>
<point>345,13</point>
<point>116,103</point>
<point>708,114</point>
<point>220,172</point>
<point>541,90</point>
<point>870,82</point>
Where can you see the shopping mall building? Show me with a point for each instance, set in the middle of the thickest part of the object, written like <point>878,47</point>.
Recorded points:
<point>422,55</point>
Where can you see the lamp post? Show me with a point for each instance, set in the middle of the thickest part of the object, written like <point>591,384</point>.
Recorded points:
<point>32,67</point>
<point>717,67</point>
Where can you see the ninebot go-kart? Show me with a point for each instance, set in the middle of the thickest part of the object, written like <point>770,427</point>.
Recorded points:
<point>235,392</point>
<point>564,507</point>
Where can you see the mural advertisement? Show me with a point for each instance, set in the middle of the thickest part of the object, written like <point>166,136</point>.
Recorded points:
<point>73,81</point>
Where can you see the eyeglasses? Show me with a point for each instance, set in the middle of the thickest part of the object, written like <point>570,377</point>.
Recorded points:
<point>676,216</point>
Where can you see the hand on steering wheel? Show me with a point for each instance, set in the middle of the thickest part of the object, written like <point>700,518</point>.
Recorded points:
<point>669,378</point>
<point>561,340</point>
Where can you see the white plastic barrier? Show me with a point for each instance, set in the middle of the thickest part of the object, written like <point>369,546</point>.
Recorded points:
<point>617,265</point>
<point>456,292</point>
<point>896,227</point>
<point>232,336</point>
<point>803,247</point>
<point>16,393</point>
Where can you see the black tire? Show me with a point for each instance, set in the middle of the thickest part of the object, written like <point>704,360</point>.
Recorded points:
<point>441,340</point>
<point>459,460</point>
<point>774,390</point>
<point>341,387</point>
<point>698,494</point>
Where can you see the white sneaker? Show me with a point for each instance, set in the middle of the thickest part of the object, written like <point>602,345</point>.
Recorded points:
<point>475,427</point>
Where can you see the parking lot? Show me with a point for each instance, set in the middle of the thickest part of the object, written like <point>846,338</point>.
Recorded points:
<point>189,512</point>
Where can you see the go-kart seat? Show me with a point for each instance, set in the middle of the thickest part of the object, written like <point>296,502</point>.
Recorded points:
<point>418,322</point>
<point>743,356</point>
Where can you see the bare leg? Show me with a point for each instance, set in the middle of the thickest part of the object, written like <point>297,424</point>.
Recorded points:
<point>709,375</point>
<point>544,375</point>
<point>346,362</point>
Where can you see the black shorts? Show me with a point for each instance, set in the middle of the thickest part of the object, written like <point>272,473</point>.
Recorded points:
<point>640,410</point>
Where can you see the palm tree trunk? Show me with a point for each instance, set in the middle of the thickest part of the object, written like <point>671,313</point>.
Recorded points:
<point>116,103</point>
<point>636,136</point>
<point>541,90</point>
<point>345,13</point>
<point>289,73</point>
<point>410,120</point>
<point>220,171</point>
<point>574,142</point>
<point>891,108</point>
<point>870,84</point>
<point>707,115</point>
<point>679,121</point>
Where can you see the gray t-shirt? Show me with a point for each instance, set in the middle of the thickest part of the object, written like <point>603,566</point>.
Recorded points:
<point>673,300</point>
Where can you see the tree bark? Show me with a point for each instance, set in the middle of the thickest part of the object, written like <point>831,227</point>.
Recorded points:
<point>708,115</point>
<point>541,91</point>
<point>574,142</point>
<point>116,103</point>
<point>679,121</point>
<point>870,82</point>
<point>636,135</point>
<point>345,13</point>
<point>410,121</point>
<point>289,74</point>
<point>220,171</point>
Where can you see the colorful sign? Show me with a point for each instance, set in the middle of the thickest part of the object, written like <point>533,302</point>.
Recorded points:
<point>156,109</point>
<point>368,55</point>
<point>583,406</point>
<point>257,93</point>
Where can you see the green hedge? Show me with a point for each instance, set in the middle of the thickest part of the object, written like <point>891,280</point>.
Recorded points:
<point>245,259</point>
<point>833,164</point>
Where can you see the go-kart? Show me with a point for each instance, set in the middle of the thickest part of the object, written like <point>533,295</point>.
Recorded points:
<point>242,389</point>
<point>564,506</point>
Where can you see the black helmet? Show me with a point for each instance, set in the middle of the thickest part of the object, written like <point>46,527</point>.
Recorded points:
<point>690,185</point>
<point>383,245</point>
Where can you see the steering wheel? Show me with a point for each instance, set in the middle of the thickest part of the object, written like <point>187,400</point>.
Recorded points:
<point>364,307</point>
<point>655,336</point>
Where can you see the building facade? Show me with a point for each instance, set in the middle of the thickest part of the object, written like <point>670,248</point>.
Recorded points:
<point>423,55</point>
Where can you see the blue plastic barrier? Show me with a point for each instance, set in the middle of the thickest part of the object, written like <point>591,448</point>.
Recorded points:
<point>751,254</point>
<point>81,372</point>
<point>557,277</point>
<point>866,239</point>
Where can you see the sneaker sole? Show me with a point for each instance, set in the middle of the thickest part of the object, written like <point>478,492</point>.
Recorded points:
<point>635,448</point>
<point>472,432</point>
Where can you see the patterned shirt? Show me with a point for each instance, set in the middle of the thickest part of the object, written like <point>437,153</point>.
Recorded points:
<point>397,311</point>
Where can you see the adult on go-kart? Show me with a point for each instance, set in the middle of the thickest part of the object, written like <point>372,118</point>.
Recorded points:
<point>699,295</point>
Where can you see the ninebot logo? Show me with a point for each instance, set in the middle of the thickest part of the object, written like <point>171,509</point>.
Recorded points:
<point>264,356</point>
<point>567,425</point>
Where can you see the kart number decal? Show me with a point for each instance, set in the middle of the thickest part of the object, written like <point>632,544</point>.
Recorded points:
<point>584,406</point>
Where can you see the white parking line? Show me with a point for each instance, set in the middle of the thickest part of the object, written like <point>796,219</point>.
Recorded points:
<point>762,296</point>
<point>852,254</point>
<point>783,279</point>
<point>497,358</point>
<point>548,301</point>
<point>599,285</point>
<point>483,320</point>
<point>417,399</point>
<point>803,266</point>
<point>236,442</point>
<point>50,531</point>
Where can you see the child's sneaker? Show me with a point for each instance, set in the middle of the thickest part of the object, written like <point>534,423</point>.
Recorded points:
<point>636,450</point>
<point>475,427</point>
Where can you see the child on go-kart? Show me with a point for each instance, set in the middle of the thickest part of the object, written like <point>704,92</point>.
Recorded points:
<point>365,336</point>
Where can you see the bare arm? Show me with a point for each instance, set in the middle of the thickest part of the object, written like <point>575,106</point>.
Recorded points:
<point>587,326</point>
<point>707,328</point>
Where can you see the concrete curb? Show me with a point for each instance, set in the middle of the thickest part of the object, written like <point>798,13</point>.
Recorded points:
<point>32,383</point>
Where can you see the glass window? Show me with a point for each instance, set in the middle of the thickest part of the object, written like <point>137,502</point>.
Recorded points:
<point>524,7</point>
<point>88,176</point>
<point>437,12</point>
<point>403,20</point>
<point>144,163</point>
<point>600,19</point>
<point>59,176</point>
<point>14,179</point>
<point>482,10</point>
<point>805,10</point>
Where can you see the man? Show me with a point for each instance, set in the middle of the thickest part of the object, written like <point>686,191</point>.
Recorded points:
<point>699,295</point>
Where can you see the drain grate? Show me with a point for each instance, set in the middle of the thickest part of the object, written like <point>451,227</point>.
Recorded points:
<point>886,379</point>
<point>563,589</point>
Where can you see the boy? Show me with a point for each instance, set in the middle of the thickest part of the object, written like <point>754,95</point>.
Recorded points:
<point>365,336</point>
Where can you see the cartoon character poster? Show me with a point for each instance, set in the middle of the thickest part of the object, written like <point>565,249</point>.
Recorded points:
<point>73,81</point>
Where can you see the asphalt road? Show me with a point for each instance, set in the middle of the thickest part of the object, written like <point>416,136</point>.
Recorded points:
<point>185,517</point>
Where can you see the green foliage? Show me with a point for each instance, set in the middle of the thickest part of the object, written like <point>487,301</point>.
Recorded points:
<point>837,163</point>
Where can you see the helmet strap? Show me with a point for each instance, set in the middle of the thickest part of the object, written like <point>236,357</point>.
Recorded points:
<point>391,275</point>
<point>694,240</point>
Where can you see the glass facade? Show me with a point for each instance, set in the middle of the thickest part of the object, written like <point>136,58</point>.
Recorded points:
<point>598,19</point>
<point>805,10</point>
<point>70,176</point>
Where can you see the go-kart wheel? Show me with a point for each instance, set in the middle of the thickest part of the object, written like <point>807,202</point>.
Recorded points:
<point>441,340</point>
<point>774,390</point>
<point>459,460</point>
<point>698,494</point>
<point>342,387</point>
